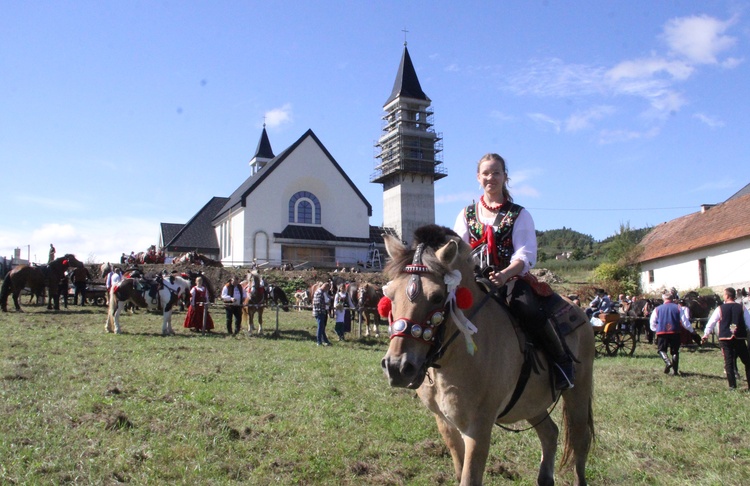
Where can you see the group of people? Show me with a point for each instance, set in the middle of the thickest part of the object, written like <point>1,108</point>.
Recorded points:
<point>342,306</point>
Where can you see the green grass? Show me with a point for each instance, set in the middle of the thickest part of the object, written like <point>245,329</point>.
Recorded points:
<point>79,406</point>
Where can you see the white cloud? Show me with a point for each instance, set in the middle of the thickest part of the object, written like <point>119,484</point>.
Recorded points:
<point>583,119</point>
<point>648,68</point>
<point>278,116</point>
<point>698,39</point>
<point>503,117</point>
<point>709,120</point>
<point>106,239</point>
<point>612,136</point>
<point>545,121</point>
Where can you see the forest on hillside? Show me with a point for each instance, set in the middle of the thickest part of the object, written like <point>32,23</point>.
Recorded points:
<point>579,246</point>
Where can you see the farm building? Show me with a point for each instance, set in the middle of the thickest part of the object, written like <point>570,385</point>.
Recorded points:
<point>708,248</point>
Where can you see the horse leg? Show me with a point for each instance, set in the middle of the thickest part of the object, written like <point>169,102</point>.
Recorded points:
<point>364,315</point>
<point>260,320</point>
<point>548,433</point>
<point>476,449</point>
<point>16,296</point>
<point>578,419</point>
<point>454,442</point>
<point>120,306</point>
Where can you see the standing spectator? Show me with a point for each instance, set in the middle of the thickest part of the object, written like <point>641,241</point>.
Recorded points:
<point>233,296</point>
<point>123,259</point>
<point>114,277</point>
<point>733,320</point>
<point>667,321</point>
<point>342,302</point>
<point>80,279</point>
<point>194,319</point>
<point>320,312</point>
<point>51,253</point>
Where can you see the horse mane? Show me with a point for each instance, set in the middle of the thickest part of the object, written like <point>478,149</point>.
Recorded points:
<point>433,237</point>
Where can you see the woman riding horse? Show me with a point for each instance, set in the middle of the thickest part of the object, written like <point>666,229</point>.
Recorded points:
<point>482,369</point>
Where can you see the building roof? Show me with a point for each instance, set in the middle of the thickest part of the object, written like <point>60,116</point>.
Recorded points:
<point>745,190</point>
<point>169,231</point>
<point>198,234</point>
<point>264,151</point>
<point>239,196</point>
<point>406,84</point>
<point>718,224</point>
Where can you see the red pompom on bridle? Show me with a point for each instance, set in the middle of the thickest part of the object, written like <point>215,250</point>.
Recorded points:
<point>464,299</point>
<point>384,307</point>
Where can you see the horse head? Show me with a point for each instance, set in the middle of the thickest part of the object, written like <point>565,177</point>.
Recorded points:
<point>422,293</point>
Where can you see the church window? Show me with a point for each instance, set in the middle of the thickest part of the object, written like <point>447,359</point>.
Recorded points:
<point>304,208</point>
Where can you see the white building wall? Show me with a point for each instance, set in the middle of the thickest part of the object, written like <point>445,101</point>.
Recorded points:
<point>306,169</point>
<point>726,266</point>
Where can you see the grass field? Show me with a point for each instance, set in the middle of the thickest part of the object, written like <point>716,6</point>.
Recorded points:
<point>80,406</point>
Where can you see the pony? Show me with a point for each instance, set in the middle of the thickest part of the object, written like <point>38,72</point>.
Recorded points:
<point>104,269</point>
<point>255,300</point>
<point>277,295</point>
<point>472,386</point>
<point>156,295</point>
<point>640,311</point>
<point>48,276</point>
<point>367,297</point>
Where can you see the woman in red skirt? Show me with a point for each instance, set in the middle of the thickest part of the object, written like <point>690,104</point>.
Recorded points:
<point>198,308</point>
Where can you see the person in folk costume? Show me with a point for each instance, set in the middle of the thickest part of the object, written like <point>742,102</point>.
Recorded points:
<point>198,302</point>
<point>667,321</point>
<point>733,320</point>
<point>233,295</point>
<point>342,302</point>
<point>503,236</point>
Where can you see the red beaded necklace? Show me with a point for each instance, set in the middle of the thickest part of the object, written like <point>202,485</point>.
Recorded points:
<point>493,208</point>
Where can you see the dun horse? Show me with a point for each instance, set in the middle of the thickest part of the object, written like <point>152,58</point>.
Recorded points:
<point>49,276</point>
<point>255,301</point>
<point>475,361</point>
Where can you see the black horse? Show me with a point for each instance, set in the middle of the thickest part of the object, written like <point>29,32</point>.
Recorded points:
<point>49,276</point>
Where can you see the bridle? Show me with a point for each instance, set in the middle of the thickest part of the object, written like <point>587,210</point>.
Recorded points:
<point>404,327</point>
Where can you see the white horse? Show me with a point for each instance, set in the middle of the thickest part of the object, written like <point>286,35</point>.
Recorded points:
<point>163,300</point>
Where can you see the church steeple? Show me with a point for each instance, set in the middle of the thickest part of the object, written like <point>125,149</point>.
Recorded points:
<point>407,83</point>
<point>410,155</point>
<point>263,153</point>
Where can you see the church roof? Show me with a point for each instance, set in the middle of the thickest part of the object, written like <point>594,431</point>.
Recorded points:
<point>264,151</point>
<point>239,196</point>
<point>169,231</point>
<point>198,234</point>
<point>406,84</point>
<point>716,225</point>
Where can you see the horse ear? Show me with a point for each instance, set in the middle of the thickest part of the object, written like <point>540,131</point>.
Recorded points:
<point>447,253</point>
<point>393,246</point>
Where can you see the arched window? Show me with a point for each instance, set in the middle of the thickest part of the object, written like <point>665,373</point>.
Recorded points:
<point>304,208</point>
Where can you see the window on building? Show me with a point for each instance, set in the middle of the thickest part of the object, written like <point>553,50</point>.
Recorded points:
<point>304,208</point>
<point>650,276</point>
<point>702,273</point>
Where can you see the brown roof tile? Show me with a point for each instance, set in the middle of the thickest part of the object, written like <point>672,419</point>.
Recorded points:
<point>719,224</point>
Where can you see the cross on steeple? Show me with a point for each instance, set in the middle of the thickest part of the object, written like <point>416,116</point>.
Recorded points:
<point>405,32</point>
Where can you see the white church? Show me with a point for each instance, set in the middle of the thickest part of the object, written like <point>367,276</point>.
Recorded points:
<point>299,207</point>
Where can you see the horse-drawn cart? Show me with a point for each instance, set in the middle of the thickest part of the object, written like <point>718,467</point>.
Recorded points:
<point>616,336</point>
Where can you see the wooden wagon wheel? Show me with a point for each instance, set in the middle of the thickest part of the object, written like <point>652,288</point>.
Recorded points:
<point>621,340</point>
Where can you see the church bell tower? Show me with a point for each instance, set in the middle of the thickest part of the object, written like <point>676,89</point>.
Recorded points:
<point>409,155</point>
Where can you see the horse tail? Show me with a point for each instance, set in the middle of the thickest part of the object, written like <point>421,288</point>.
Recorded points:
<point>576,442</point>
<point>5,292</point>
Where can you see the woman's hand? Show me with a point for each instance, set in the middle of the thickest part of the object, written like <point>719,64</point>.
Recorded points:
<point>498,278</point>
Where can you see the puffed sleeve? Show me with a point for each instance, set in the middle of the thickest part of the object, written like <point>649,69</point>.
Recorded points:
<point>524,241</point>
<point>460,226</point>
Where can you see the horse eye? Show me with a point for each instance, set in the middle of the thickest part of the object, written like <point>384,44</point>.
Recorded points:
<point>436,318</point>
<point>437,299</point>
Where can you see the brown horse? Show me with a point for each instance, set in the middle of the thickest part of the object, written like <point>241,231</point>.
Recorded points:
<point>255,301</point>
<point>49,276</point>
<point>368,296</point>
<point>473,381</point>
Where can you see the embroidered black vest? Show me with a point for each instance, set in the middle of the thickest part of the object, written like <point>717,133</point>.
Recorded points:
<point>503,230</point>
<point>732,323</point>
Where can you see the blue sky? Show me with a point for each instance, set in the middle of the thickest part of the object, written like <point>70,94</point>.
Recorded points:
<point>116,116</point>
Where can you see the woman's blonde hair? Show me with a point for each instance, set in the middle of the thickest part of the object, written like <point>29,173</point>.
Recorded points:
<point>496,158</point>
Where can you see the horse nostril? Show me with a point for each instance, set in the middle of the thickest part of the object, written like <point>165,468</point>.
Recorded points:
<point>383,363</point>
